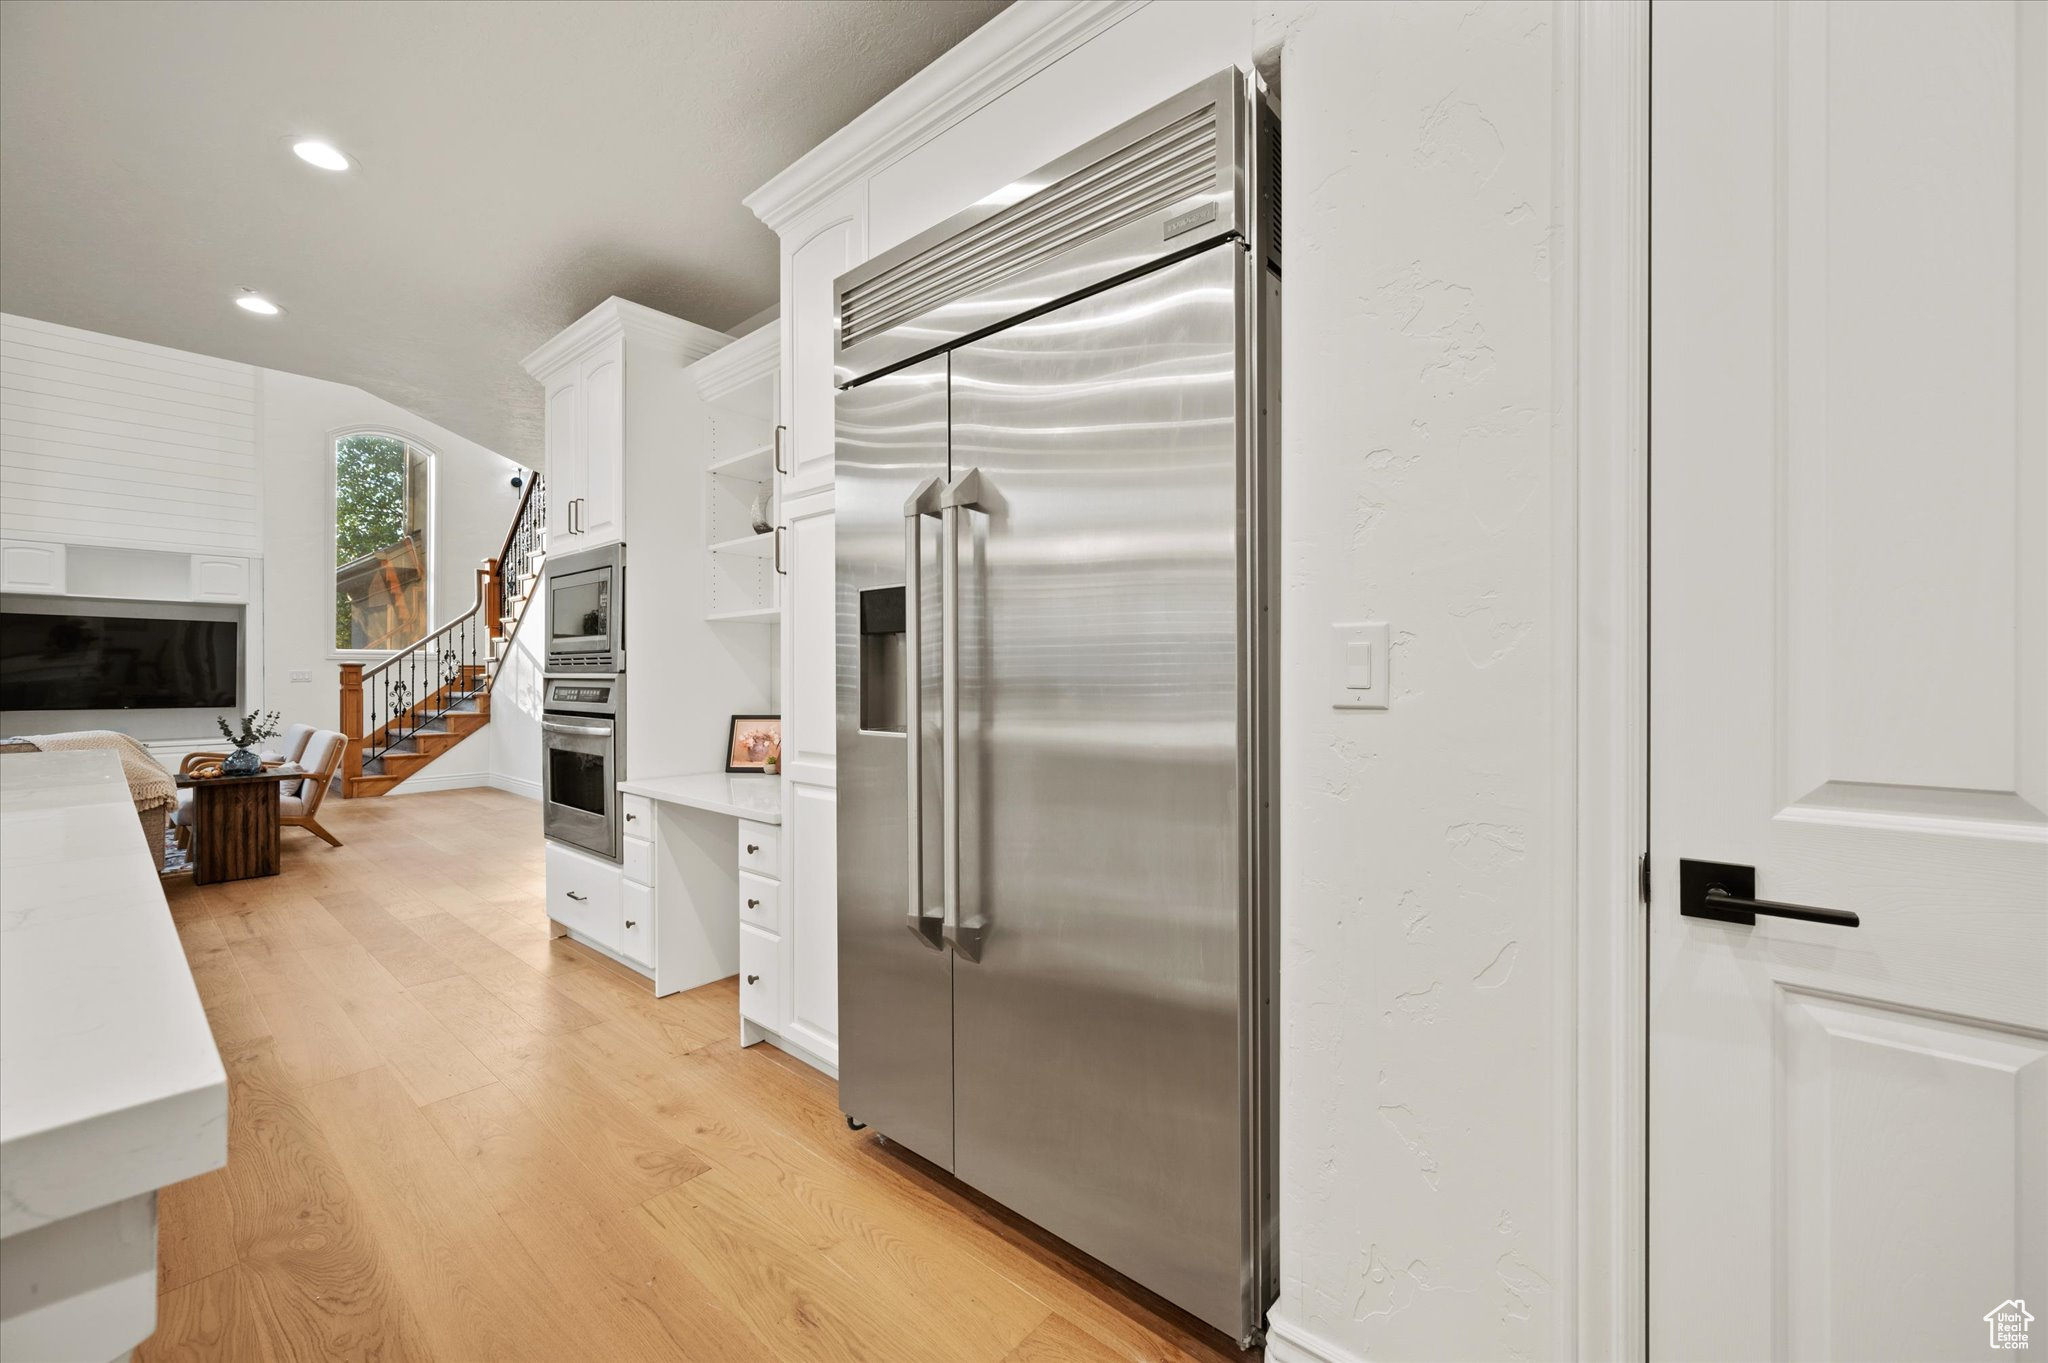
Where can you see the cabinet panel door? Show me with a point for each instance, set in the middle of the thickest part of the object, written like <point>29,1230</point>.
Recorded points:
<point>564,469</point>
<point>810,718</point>
<point>813,919</point>
<point>816,251</point>
<point>602,517</point>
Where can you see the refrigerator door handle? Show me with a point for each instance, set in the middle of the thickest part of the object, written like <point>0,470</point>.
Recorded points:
<point>923,502</point>
<point>966,493</point>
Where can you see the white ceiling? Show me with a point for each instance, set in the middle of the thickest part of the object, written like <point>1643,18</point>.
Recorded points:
<point>518,162</point>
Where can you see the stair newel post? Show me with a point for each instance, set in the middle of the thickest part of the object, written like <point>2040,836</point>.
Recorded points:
<point>490,591</point>
<point>352,730</point>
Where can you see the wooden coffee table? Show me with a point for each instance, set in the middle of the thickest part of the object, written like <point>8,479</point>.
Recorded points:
<point>235,824</point>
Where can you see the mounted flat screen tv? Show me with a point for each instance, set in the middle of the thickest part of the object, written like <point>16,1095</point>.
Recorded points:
<point>112,662</point>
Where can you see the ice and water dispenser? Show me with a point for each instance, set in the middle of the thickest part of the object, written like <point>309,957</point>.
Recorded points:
<point>881,660</point>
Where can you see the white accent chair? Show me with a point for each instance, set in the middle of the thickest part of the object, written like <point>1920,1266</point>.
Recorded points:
<point>321,759</point>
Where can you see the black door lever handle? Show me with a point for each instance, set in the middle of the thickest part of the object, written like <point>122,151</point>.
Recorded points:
<point>1726,893</point>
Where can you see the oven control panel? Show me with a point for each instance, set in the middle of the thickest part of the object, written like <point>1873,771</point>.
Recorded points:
<point>604,697</point>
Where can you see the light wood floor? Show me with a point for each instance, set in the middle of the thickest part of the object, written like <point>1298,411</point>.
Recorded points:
<point>453,1138</point>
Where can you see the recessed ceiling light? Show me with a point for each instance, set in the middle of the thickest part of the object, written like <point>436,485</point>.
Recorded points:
<point>322,154</point>
<point>258,304</point>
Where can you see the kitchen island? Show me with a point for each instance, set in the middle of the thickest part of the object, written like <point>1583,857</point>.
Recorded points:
<point>110,1084</point>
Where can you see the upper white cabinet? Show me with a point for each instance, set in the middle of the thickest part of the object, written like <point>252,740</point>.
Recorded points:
<point>27,566</point>
<point>827,242</point>
<point>589,373</point>
<point>601,385</point>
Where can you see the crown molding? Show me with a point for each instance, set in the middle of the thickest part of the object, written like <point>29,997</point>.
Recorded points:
<point>753,358</point>
<point>1000,55</point>
<point>621,317</point>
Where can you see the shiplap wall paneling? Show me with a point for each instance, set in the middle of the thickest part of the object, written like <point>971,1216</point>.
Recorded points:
<point>110,441</point>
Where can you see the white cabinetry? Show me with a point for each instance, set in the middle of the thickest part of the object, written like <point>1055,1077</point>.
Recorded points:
<point>27,566</point>
<point>637,877</point>
<point>740,386</point>
<point>812,919</point>
<point>584,895</point>
<point>810,702</point>
<point>824,244</point>
<point>600,505</point>
<point>590,373</point>
<point>586,448</point>
<point>1034,83</point>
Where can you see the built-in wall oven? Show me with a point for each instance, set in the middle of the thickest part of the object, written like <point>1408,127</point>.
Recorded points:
<point>583,755</point>
<point>586,611</point>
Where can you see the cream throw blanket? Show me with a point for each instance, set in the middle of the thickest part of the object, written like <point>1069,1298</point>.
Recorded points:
<point>148,782</point>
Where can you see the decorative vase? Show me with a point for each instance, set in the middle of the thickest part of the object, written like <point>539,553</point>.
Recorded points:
<point>242,762</point>
<point>758,509</point>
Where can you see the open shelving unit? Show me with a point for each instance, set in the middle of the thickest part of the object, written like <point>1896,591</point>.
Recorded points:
<point>738,383</point>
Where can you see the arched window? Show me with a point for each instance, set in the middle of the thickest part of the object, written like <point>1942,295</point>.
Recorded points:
<point>383,558</point>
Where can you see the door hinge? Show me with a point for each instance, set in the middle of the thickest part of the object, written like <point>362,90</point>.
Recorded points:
<point>1643,878</point>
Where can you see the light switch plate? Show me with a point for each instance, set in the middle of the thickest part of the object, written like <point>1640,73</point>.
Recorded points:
<point>1360,659</point>
<point>302,674</point>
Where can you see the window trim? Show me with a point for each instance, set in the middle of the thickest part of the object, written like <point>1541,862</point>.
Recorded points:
<point>433,453</point>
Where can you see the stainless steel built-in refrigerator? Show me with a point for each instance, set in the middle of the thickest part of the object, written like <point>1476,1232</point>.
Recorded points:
<point>1055,539</point>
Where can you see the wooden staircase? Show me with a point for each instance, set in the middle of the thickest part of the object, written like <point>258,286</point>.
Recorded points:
<point>401,714</point>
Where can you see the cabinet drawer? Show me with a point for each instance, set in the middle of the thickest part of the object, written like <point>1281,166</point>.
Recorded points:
<point>759,901</point>
<point>639,815</point>
<point>638,857</point>
<point>760,977</point>
<point>636,931</point>
<point>761,849</point>
<point>583,895</point>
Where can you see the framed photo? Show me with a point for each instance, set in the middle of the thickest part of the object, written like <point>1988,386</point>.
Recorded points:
<point>754,744</point>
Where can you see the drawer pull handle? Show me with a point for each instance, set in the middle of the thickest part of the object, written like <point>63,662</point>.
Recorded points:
<point>580,899</point>
<point>752,848</point>
<point>629,922</point>
<point>753,903</point>
<point>753,979</point>
<point>630,818</point>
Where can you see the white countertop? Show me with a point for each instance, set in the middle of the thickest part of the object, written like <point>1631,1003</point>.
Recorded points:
<point>110,1084</point>
<point>744,797</point>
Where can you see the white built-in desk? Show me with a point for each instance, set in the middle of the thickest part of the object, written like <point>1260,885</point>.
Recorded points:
<point>110,1084</point>
<point>755,798</point>
<point>731,908</point>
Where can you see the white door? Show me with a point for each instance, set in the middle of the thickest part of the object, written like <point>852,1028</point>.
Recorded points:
<point>816,250</point>
<point>601,379</point>
<point>1849,674</point>
<point>564,460</point>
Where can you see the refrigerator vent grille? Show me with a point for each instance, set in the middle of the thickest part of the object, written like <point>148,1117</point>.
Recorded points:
<point>1154,172</point>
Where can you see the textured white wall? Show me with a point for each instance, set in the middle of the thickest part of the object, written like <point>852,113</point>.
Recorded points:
<point>473,503</point>
<point>1425,1131</point>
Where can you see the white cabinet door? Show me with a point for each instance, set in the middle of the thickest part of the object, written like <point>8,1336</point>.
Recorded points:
<point>584,895</point>
<point>26,566</point>
<point>564,469</point>
<point>1849,579</point>
<point>601,379</point>
<point>816,250</point>
<point>813,918</point>
<point>810,718</point>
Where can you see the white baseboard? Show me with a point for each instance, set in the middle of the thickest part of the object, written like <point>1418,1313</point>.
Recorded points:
<point>515,785</point>
<point>433,780</point>
<point>790,1046</point>
<point>1287,1342</point>
<point>580,940</point>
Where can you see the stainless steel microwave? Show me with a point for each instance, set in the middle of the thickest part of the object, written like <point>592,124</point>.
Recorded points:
<point>586,605</point>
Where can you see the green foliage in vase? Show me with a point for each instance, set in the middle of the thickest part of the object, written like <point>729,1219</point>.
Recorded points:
<point>257,725</point>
